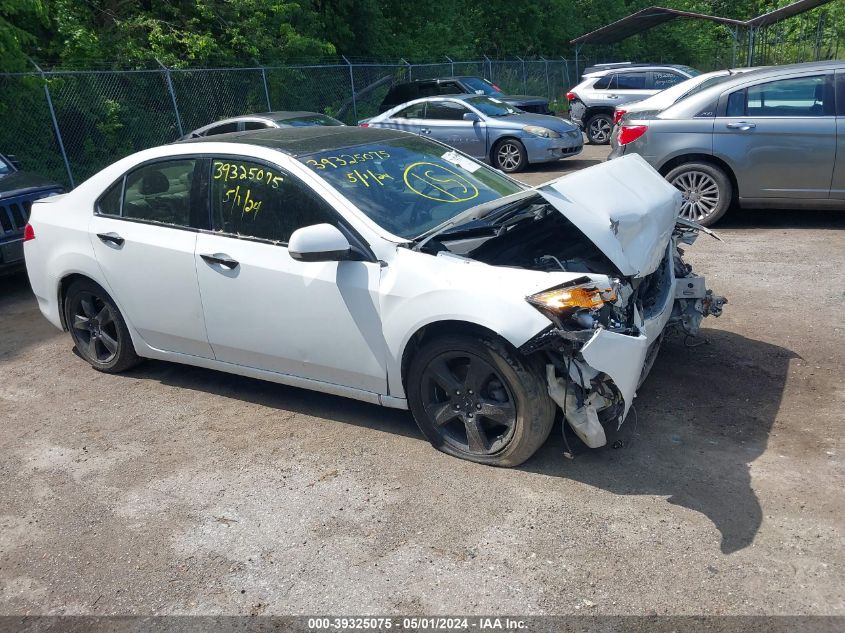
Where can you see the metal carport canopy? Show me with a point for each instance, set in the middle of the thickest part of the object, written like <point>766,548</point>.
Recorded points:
<point>642,21</point>
<point>654,16</point>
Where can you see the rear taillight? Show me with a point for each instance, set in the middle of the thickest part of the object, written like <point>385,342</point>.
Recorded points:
<point>571,96</point>
<point>28,233</point>
<point>630,133</point>
<point>497,88</point>
<point>363,125</point>
<point>617,116</point>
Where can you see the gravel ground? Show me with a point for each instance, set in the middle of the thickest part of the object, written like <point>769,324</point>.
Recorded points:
<point>178,490</point>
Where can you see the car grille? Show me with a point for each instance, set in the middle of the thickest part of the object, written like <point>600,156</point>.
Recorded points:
<point>570,150</point>
<point>14,213</point>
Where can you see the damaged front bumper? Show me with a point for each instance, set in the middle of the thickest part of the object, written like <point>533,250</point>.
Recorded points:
<point>593,373</point>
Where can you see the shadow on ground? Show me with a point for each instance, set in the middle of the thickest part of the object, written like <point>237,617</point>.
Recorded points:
<point>702,417</point>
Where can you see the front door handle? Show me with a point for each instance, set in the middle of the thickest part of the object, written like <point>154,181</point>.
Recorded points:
<point>741,125</point>
<point>112,238</point>
<point>220,260</point>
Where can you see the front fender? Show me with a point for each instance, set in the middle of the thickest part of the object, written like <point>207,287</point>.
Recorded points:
<point>419,289</point>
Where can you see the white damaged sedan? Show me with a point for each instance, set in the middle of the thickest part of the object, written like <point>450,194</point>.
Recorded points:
<point>381,266</point>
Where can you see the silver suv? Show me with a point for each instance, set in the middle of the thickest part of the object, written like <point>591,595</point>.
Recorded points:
<point>592,102</point>
<point>770,138</point>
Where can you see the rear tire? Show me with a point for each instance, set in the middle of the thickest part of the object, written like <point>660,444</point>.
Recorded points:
<point>477,399</point>
<point>510,156</point>
<point>707,191</point>
<point>97,328</point>
<point>598,129</point>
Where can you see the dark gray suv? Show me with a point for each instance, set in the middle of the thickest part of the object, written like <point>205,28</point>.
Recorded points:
<point>410,90</point>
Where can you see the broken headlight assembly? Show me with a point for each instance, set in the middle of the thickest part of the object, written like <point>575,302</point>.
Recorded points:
<point>579,302</point>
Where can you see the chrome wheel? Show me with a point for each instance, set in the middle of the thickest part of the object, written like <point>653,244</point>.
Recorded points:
<point>93,328</point>
<point>468,403</point>
<point>509,156</point>
<point>599,130</point>
<point>700,194</point>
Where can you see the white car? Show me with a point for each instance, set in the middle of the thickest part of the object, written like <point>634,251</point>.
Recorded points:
<point>381,266</point>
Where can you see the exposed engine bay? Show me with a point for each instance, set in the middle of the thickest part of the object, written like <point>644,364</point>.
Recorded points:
<point>606,327</point>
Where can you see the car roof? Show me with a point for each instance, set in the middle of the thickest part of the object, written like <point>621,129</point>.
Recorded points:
<point>298,141</point>
<point>600,72</point>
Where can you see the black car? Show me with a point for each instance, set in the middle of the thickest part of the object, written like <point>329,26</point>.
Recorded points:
<point>408,91</point>
<point>18,190</point>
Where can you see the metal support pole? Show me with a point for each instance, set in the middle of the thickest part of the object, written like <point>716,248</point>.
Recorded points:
<point>524,76</point>
<point>548,84</point>
<point>566,72</point>
<point>266,91</point>
<point>352,87</point>
<point>577,51</point>
<point>410,71</point>
<point>56,129</point>
<point>489,67</point>
<point>750,56</point>
<point>451,61</point>
<point>172,97</point>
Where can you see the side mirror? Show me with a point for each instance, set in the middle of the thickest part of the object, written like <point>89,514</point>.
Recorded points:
<point>319,243</point>
<point>13,160</point>
<point>471,116</point>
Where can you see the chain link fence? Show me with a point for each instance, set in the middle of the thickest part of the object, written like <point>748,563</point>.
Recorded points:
<point>67,125</point>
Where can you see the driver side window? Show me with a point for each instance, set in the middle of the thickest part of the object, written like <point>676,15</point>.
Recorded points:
<point>252,199</point>
<point>445,111</point>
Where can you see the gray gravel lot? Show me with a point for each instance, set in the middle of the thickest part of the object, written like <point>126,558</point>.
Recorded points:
<point>178,490</point>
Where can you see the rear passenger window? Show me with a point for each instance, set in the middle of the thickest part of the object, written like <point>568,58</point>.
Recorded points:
<point>109,203</point>
<point>450,88</point>
<point>603,83</point>
<point>161,192</point>
<point>736,104</point>
<point>427,89</point>
<point>254,200</point>
<point>415,111</point>
<point>630,81</point>
<point>663,79</point>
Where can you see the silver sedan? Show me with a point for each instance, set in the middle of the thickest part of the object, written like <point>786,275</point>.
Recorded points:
<point>486,128</point>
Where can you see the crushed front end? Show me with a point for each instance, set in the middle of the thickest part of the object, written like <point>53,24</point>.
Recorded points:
<point>606,333</point>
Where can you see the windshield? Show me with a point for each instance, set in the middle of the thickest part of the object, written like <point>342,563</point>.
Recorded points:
<point>308,120</point>
<point>491,106</point>
<point>476,84</point>
<point>711,81</point>
<point>409,185</point>
<point>692,72</point>
<point>5,168</point>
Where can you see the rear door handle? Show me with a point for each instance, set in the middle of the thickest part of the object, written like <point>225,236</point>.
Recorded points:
<point>220,259</point>
<point>741,125</point>
<point>113,238</point>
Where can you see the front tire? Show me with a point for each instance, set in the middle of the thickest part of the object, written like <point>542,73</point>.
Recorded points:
<point>706,189</point>
<point>599,127</point>
<point>510,156</point>
<point>98,329</point>
<point>479,400</point>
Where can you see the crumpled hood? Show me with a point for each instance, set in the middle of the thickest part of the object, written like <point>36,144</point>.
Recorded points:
<point>624,206</point>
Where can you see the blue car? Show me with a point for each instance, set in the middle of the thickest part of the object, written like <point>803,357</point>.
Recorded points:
<point>486,128</point>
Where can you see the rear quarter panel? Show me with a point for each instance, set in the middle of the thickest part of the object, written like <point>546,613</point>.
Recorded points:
<point>668,138</point>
